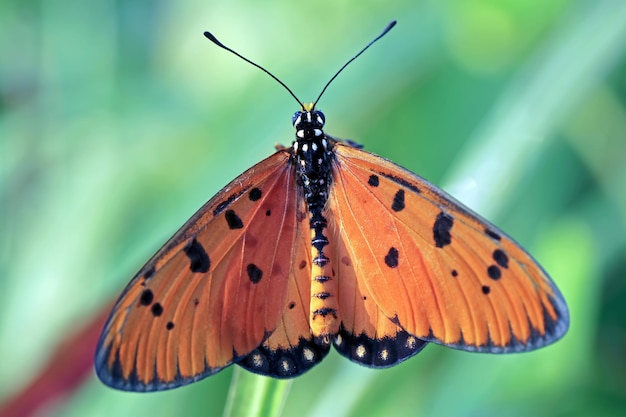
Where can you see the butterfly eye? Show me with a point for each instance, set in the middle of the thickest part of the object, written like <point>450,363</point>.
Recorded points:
<point>320,119</point>
<point>295,119</point>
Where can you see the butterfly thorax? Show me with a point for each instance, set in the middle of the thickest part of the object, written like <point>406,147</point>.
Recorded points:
<point>313,159</point>
<point>312,154</point>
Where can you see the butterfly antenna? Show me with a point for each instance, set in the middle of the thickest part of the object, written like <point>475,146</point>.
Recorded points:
<point>383,33</point>
<point>213,39</point>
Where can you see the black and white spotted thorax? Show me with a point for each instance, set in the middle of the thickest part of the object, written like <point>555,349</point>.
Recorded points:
<point>313,156</point>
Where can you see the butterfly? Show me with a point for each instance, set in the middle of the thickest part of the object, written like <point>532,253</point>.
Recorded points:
<point>320,244</point>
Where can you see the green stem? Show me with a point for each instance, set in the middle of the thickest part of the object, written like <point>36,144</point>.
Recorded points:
<point>252,395</point>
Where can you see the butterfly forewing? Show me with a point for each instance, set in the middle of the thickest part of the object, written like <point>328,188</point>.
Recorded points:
<point>214,292</point>
<point>440,272</point>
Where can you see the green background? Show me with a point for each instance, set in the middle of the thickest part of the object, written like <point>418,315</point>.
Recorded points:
<point>118,119</point>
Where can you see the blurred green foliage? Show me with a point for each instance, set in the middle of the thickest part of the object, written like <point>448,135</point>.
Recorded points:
<point>118,120</point>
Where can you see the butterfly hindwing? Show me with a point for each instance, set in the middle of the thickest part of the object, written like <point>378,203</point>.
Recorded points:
<point>440,272</point>
<point>291,350</point>
<point>366,335</point>
<point>203,301</point>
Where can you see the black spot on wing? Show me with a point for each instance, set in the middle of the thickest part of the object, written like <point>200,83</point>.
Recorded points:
<point>492,234</point>
<point>157,309</point>
<point>254,273</point>
<point>494,272</point>
<point>268,212</point>
<point>255,194</point>
<point>441,229</point>
<point>485,289</point>
<point>169,325</point>
<point>401,181</point>
<point>233,221</point>
<point>391,259</point>
<point>454,273</point>
<point>398,201</point>
<point>224,204</point>
<point>199,260</point>
<point>146,298</point>
<point>149,273</point>
<point>373,180</point>
<point>500,257</point>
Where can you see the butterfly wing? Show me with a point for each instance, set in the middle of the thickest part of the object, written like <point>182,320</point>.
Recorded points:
<point>434,268</point>
<point>201,303</point>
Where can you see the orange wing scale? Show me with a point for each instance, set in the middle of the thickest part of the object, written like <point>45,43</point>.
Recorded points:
<point>435,269</point>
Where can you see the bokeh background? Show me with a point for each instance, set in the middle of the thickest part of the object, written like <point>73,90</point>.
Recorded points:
<point>118,119</point>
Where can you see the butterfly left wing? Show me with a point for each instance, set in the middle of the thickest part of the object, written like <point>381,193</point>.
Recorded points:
<point>214,292</point>
<point>434,268</point>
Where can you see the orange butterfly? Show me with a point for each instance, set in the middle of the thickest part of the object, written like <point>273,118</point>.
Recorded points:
<point>324,243</point>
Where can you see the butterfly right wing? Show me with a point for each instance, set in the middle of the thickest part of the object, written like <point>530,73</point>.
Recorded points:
<point>201,303</point>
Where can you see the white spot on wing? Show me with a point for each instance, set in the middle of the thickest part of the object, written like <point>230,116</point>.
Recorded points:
<point>361,351</point>
<point>257,360</point>
<point>308,354</point>
<point>411,342</point>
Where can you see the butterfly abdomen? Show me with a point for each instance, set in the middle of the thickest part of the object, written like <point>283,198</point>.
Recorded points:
<point>313,155</point>
<point>324,315</point>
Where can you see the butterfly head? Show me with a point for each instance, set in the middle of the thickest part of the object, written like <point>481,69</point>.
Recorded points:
<point>308,123</point>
